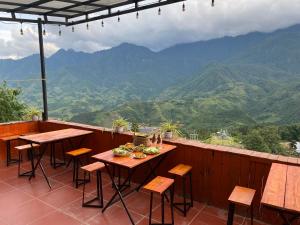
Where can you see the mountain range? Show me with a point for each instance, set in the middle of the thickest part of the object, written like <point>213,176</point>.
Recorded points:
<point>230,81</point>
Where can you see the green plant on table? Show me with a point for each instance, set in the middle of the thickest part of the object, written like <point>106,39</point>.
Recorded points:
<point>171,127</point>
<point>120,122</point>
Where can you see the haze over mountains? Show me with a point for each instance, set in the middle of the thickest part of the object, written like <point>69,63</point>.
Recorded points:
<point>224,82</point>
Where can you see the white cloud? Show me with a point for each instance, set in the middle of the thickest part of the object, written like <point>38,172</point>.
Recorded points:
<point>198,22</point>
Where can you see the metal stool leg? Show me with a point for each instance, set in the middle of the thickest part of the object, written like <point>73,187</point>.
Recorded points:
<point>83,190</point>
<point>191,190</point>
<point>151,202</point>
<point>230,214</point>
<point>251,209</point>
<point>163,208</point>
<point>171,203</point>
<point>74,168</point>
<point>19,164</point>
<point>184,195</point>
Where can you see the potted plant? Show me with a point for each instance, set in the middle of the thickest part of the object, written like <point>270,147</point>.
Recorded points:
<point>170,129</point>
<point>33,114</point>
<point>120,125</point>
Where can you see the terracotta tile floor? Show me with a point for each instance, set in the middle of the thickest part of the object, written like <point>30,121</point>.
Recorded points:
<point>23,203</point>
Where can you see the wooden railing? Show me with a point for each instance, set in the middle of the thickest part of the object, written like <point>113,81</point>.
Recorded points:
<point>216,169</point>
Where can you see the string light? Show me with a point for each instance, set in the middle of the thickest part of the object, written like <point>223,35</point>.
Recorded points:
<point>102,23</point>
<point>159,11</point>
<point>73,29</point>
<point>87,26</point>
<point>212,3</point>
<point>137,15</point>
<point>59,31</point>
<point>183,7</point>
<point>21,30</point>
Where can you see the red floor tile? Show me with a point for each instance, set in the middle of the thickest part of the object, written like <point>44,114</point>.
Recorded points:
<point>4,187</point>
<point>222,214</point>
<point>41,187</point>
<point>61,197</point>
<point>207,219</point>
<point>139,202</point>
<point>178,216</point>
<point>114,215</point>
<point>82,214</point>
<point>27,212</point>
<point>12,199</point>
<point>56,218</point>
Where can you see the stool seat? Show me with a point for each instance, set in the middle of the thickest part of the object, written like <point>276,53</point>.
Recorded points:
<point>93,167</point>
<point>26,147</point>
<point>79,152</point>
<point>242,196</point>
<point>180,170</point>
<point>159,184</point>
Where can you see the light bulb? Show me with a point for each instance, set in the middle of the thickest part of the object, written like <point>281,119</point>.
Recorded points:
<point>87,26</point>
<point>159,11</point>
<point>212,3</point>
<point>183,7</point>
<point>102,23</point>
<point>137,15</point>
<point>73,29</point>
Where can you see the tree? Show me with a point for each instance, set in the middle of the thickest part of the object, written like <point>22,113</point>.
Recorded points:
<point>11,108</point>
<point>254,141</point>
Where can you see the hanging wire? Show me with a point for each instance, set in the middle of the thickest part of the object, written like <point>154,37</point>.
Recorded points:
<point>59,31</point>
<point>44,30</point>
<point>21,30</point>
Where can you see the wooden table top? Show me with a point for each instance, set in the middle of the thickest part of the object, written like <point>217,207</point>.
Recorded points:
<point>52,136</point>
<point>282,190</point>
<point>15,137</point>
<point>129,162</point>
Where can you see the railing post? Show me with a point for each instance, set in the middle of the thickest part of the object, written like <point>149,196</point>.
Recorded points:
<point>43,71</point>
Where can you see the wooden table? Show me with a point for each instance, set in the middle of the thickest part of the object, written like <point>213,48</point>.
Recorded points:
<point>282,191</point>
<point>7,140</point>
<point>43,139</point>
<point>131,165</point>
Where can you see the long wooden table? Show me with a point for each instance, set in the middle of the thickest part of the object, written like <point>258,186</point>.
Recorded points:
<point>282,191</point>
<point>43,139</point>
<point>131,165</point>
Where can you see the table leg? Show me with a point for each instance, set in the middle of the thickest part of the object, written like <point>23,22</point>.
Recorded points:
<point>38,163</point>
<point>9,160</point>
<point>152,172</point>
<point>118,192</point>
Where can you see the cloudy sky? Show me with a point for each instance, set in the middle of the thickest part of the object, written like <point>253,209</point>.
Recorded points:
<point>199,22</point>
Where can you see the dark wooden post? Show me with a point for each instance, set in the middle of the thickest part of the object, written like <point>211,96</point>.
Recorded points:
<point>43,71</point>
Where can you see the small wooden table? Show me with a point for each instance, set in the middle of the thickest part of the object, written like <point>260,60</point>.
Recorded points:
<point>131,165</point>
<point>43,139</point>
<point>282,191</point>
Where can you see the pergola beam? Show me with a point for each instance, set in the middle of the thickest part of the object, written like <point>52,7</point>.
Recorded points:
<point>126,11</point>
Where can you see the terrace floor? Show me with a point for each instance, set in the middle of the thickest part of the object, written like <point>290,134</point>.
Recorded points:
<point>23,202</point>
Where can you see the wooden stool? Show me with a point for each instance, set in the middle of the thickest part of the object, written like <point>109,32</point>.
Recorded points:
<point>75,156</point>
<point>240,196</point>
<point>160,185</point>
<point>183,171</point>
<point>97,166</point>
<point>21,149</point>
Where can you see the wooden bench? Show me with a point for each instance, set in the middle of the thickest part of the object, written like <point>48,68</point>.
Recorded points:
<point>160,185</point>
<point>182,171</point>
<point>75,156</point>
<point>240,196</point>
<point>22,148</point>
<point>90,168</point>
